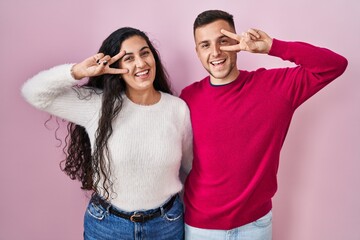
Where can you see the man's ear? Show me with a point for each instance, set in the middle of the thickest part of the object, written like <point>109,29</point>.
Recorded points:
<point>197,52</point>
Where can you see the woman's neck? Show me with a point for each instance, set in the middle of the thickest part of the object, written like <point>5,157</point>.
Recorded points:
<point>145,98</point>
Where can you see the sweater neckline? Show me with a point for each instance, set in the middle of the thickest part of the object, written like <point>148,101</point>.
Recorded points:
<point>241,73</point>
<point>131,103</point>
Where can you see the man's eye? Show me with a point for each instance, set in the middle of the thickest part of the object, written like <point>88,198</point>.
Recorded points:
<point>204,45</point>
<point>224,42</point>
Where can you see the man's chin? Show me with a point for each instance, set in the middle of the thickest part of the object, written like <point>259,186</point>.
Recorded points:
<point>218,75</point>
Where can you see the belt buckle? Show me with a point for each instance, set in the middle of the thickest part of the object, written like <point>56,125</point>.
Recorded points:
<point>137,217</point>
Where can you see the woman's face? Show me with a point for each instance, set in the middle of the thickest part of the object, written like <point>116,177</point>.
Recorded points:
<point>140,62</point>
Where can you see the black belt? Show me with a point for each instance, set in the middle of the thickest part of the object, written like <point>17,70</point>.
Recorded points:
<point>138,217</point>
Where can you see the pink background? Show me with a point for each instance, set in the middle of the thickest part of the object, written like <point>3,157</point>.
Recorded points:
<point>319,178</point>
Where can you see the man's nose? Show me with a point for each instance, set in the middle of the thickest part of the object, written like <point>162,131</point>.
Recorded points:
<point>216,50</point>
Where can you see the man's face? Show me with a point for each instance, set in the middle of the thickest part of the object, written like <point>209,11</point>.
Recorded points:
<point>221,65</point>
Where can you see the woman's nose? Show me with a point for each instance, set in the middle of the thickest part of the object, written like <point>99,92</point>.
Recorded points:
<point>139,62</point>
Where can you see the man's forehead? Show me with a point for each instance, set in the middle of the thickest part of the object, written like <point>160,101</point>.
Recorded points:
<point>212,30</point>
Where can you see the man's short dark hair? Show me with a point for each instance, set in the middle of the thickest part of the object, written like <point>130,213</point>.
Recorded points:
<point>210,16</point>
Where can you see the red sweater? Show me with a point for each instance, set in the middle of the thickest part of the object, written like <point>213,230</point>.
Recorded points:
<point>239,129</point>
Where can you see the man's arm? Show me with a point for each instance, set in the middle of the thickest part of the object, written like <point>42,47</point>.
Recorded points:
<point>316,66</point>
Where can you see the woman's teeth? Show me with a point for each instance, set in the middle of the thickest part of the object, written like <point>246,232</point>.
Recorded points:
<point>139,74</point>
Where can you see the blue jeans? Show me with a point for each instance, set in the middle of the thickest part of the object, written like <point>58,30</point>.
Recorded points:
<point>260,229</point>
<point>99,224</point>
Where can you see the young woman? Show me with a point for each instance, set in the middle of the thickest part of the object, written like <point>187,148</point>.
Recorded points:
<point>128,137</point>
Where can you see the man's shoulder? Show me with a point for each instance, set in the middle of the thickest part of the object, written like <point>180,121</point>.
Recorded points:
<point>194,86</point>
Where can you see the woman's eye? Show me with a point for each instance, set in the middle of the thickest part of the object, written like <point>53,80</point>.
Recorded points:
<point>145,54</point>
<point>127,59</point>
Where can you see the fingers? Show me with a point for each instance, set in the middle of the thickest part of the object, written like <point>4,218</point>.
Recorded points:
<point>230,35</point>
<point>117,70</point>
<point>117,57</point>
<point>253,40</point>
<point>254,33</point>
<point>231,48</point>
<point>104,61</point>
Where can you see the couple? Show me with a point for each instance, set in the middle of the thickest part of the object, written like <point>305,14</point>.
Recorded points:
<point>129,136</point>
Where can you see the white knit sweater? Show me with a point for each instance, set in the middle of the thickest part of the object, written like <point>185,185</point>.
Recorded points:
<point>148,144</point>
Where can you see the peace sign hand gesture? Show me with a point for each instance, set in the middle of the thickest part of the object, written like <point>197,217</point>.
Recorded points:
<point>255,41</point>
<point>96,65</point>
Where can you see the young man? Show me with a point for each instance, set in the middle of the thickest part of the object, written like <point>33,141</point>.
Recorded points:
<point>240,120</point>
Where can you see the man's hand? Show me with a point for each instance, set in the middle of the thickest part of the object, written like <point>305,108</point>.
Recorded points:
<point>255,41</point>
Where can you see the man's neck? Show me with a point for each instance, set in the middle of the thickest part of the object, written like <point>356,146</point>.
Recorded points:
<point>223,81</point>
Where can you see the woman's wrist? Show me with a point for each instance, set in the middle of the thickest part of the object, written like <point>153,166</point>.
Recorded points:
<point>74,73</point>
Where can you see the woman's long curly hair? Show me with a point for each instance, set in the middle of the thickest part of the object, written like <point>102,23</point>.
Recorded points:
<point>93,169</point>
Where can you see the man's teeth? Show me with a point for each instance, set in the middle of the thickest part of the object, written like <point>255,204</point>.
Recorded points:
<point>217,62</point>
<point>142,73</point>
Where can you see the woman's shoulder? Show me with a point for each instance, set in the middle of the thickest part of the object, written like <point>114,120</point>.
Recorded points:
<point>172,99</point>
<point>174,102</point>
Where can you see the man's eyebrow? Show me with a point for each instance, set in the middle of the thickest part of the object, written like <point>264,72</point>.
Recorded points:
<point>223,36</point>
<point>205,41</point>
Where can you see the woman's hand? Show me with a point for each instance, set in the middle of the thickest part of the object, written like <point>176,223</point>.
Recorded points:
<point>96,65</point>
